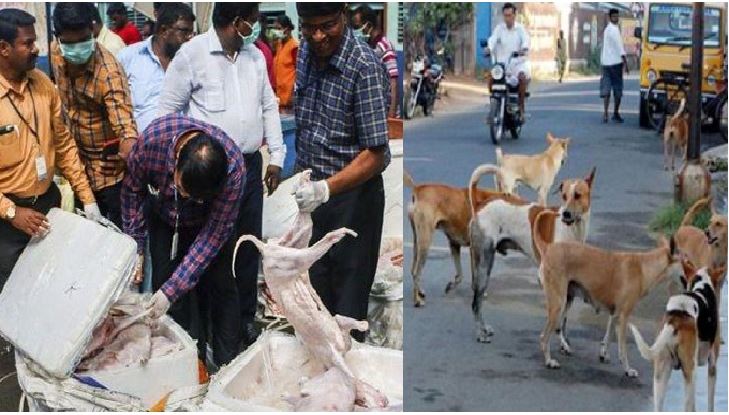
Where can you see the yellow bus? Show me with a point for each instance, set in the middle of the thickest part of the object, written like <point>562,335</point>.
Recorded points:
<point>666,51</point>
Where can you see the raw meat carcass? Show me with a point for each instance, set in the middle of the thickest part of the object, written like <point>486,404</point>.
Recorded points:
<point>330,391</point>
<point>131,346</point>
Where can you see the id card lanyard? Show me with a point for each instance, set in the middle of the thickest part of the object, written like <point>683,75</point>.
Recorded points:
<point>176,235</point>
<point>40,161</point>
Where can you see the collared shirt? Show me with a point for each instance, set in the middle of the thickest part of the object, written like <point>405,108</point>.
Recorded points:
<point>18,152</point>
<point>386,53</point>
<point>340,110</point>
<point>233,94</point>
<point>504,41</point>
<point>151,165</point>
<point>612,46</point>
<point>145,74</point>
<point>129,33</point>
<point>98,112</point>
<point>110,40</point>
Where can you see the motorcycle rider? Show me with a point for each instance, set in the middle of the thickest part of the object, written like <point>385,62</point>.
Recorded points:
<point>427,88</point>
<point>509,37</point>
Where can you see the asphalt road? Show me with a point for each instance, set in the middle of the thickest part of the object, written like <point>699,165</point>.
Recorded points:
<point>445,368</point>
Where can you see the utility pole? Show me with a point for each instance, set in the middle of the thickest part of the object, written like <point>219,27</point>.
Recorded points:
<point>694,180</point>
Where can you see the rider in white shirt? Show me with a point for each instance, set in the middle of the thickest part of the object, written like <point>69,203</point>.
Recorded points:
<point>509,37</point>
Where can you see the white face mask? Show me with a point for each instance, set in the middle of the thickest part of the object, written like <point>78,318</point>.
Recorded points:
<point>255,32</point>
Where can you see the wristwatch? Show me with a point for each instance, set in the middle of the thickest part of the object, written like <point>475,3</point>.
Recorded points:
<point>10,213</point>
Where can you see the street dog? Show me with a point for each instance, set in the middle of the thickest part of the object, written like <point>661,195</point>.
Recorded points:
<point>438,206</point>
<point>535,171</point>
<point>606,279</point>
<point>689,337</point>
<point>503,222</point>
<point>675,135</point>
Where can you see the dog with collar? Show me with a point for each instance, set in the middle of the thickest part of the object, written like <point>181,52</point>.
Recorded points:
<point>502,222</point>
<point>689,337</point>
<point>535,171</point>
<point>438,206</point>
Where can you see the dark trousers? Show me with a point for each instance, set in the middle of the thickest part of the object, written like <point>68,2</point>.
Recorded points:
<point>214,300</point>
<point>250,218</point>
<point>109,201</point>
<point>12,240</point>
<point>343,276</point>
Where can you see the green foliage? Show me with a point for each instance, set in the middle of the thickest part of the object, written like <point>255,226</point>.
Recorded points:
<point>425,16</point>
<point>668,219</point>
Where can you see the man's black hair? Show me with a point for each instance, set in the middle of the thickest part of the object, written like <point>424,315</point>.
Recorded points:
<point>613,11</point>
<point>156,5</point>
<point>73,16</point>
<point>225,13</point>
<point>203,167</point>
<point>306,9</point>
<point>11,20</point>
<point>169,13</point>
<point>508,6</point>
<point>97,16</point>
<point>366,15</point>
<point>284,21</point>
<point>116,8</point>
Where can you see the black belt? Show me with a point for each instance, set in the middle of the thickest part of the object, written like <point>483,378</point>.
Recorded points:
<point>28,201</point>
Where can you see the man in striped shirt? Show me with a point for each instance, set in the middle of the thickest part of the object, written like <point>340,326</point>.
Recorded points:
<point>97,103</point>
<point>366,27</point>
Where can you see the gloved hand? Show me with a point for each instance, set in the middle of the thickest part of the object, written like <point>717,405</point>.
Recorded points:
<point>158,305</point>
<point>92,211</point>
<point>312,194</point>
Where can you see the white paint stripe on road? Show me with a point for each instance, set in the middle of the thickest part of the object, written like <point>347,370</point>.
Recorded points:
<point>418,159</point>
<point>535,94</point>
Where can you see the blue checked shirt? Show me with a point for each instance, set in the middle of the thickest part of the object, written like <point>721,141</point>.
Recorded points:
<point>340,110</point>
<point>150,168</point>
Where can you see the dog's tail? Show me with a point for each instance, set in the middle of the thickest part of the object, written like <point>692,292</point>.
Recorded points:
<point>407,180</point>
<point>476,176</point>
<point>688,217</point>
<point>499,156</point>
<point>681,108</point>
<point>541,222</point>
<point>662,341</point>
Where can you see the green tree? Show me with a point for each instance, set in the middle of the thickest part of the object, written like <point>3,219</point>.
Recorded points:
<point>429,16</point>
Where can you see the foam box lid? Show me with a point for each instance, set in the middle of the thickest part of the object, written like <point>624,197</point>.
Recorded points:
<point>61,288</point>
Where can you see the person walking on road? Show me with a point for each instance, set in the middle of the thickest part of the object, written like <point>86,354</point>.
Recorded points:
<point>34,142</point>
<point>341,101</point>
<point>561,57</point>
<point>613,61</point>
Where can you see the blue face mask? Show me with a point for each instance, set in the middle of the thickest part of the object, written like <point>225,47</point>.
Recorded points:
<point>77,53</point>
<point>255,32</point>
<point>360,34</point>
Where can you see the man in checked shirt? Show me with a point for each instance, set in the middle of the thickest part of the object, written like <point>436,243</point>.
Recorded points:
<point>192,176</point>
<point>341,121</point>
<point>97,102</point>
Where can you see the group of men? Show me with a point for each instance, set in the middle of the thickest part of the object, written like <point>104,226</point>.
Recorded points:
<point>164,140</point>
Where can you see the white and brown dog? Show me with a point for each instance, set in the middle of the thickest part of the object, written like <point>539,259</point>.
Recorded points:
<point>689,337</point>
<point>438,206</point>
<point>535,171</point>
<point>675,135</point>
<point>612,280</point>
<point>504,222</point>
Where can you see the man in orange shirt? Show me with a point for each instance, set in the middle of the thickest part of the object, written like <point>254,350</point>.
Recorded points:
<point>284,62</point>
<point>129,33</point>
<point>34,141</point>
<point>98,104</point>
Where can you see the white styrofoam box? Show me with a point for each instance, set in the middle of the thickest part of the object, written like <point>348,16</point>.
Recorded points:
<point>280,209</point>
<point>272,367</point>
<point>61,287</point>
<point>392,177</point>
<point>160,375</point>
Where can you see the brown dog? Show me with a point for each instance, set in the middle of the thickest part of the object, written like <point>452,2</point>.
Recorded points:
<point>704,248</point>
<point>438,206</point>
<point>675,135</point>
<point>689,337</point>
<point>613,280</point>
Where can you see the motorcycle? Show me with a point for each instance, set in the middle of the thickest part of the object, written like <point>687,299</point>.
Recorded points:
<point>504,111</point>
<point>424,83</point>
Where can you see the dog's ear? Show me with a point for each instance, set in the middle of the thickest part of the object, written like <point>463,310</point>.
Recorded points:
<point>688,268</point>
<point>550,137</point>
<point>559,188</point>
<point>566,143</point>
<point>715,273</point>
<point>591,177</point>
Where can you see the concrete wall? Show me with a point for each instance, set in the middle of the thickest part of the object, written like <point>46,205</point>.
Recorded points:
<point>482,30</point>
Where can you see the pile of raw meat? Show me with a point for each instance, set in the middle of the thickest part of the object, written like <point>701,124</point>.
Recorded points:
<point>125,338</point>
<point>286,262</point>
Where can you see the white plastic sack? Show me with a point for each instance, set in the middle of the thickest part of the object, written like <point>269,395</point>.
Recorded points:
<point>385,315</point>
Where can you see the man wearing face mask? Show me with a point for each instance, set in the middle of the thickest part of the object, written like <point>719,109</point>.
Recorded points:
<point>220,77</point>
<point>95,95</point>
<point>284,62</point>
<point>366,28</point>
<point>191,175</point>
<point>145,62</point>
<point>106,37</point>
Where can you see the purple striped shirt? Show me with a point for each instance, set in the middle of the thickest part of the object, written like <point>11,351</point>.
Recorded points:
<point>150,171</point>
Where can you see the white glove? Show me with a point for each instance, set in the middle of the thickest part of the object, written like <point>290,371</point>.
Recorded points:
<point>158,305</point>
<point>92,212</point>
<point>312,194</point>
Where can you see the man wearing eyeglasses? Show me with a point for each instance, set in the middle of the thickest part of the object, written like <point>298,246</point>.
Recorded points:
<point>341,118</point>
<point>97,103</point>
<point>145,62</point>
<point>220,77</point>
